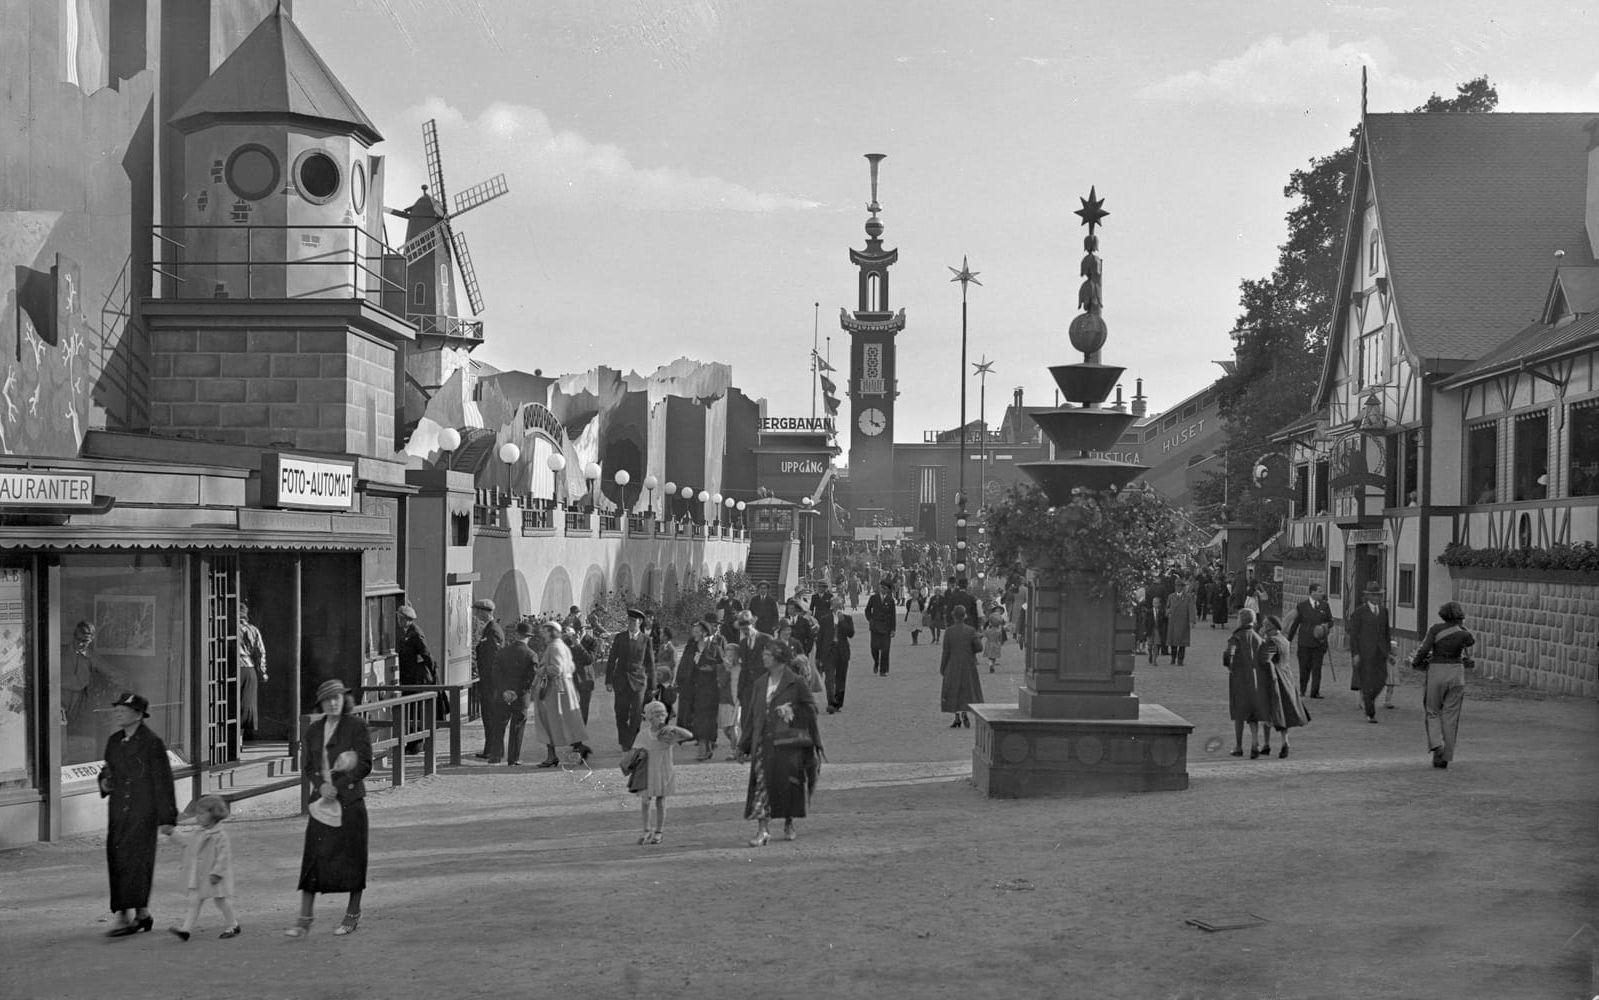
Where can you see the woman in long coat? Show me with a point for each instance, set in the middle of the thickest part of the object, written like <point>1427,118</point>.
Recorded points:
<point>783,743</point>
<point>1277,677</point>
<point>957,664</point>
<point>336,759</point>
<point>1245,698</point>
<point>557,712</point>
<point>1220,599</point>
<point>1180,622</point>
<point>137,779</point>
<point>697,689</point>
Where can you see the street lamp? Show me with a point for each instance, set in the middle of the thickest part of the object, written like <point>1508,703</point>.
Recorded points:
<point>556,464</point>
<point>623,477</point>
<point>967,277</point>
<point>591,472</point>
<point>509,453</point>
<point>743,519</point>
<point>650,484</point>
<point>449,440</point>
<point>666,498</point>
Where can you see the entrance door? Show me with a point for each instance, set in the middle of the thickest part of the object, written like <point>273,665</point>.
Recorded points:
<point>219,643</point>
<point>1363,565</point>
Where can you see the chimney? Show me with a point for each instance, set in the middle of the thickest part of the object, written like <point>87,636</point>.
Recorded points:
<point>1592,215</point>
<point>1140,403</point>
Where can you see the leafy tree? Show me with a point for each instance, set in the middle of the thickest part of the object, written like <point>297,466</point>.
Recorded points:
<point>1281,334</point>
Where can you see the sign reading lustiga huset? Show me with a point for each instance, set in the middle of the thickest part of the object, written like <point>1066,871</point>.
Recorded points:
<point>306,483</point>
<point>796,425</point>
<point>46,489</point>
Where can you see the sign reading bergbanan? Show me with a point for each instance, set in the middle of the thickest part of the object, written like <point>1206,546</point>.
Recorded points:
<point>46,489</point>
<point>307,484</point>
<point>796,425</point>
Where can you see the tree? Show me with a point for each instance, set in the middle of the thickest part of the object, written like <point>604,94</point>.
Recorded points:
<point>1280,336</point>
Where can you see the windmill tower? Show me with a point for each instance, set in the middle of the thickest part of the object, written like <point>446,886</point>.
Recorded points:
<point>434,252</point>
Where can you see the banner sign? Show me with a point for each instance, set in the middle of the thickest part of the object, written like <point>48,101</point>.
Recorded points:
<point>46,489</point>
<point>307,484</point>
<point>796,425</point>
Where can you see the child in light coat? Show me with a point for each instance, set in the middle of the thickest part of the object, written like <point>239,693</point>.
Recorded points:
<point>207,865</point>
<point>659,739</point>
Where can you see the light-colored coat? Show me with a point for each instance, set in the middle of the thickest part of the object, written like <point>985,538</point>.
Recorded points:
<point>557,717</point>
<point>206,852</point>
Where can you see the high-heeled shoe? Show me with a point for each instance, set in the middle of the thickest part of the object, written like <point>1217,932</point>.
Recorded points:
<point>762,839</point>
<point>546,764</point>
<point>789,833</point>
<point>657,837</point>
<point>1283,752</point>
<point>231,932</point>
<point>966,721</point>
<point>957,723</point>
<point>302,927</point>
<point>179,933</point>
<point>349,925</point>
<point>1254,752</point>
<point>583,751</point>
<point>139,924</point>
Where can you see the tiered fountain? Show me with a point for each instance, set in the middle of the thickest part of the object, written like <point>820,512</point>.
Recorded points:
<point>1078,728</point>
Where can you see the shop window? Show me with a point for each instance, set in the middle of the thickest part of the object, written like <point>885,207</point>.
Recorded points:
<point>1390,447</point>
<point>124,626</point>
<point>16,681</point>
<point>1407,586</point>
<point>1532,456</point>
<point>382,626</point>
<point>1411,481</point>
<point>1302,489</point>
<point>1582,477</point>
<point>1335,579</point>
<point>1482,463</point>
<point>1323,493</point>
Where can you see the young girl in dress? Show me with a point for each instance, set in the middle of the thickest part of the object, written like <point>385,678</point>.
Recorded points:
<point>994,636</point>
<point>659,738</point>
<point>727,695</point>
<point>207,865</point>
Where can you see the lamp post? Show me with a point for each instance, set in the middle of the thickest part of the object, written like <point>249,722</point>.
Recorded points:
<point>591,472</point>
<point>509,453</point>
<point>449,440</point>
<point>703,497</point>
<point>651,484</point>
<point>623,477</point>
<point>982,369</point>
<point>743,518</point>
<point>687,494</point>
<point>666,499</point>
<point>556,464</point>
<point>729,502</point>
<point>716,506</point>
<point>967,277</point>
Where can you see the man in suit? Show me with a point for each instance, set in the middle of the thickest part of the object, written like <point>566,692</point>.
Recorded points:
<point>1371,647</point>
<point>962,597</point>
<point>490,640</point>
<point>515,668</point>
<point>764,607</point>
<point>628,674</point>
<point>822,609</point>
<point>1308,629</point>
<point>752,644</point>
<point>834,661</point>
<point>880,624</point>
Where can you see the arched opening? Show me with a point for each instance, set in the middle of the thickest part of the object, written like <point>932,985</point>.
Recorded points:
<point>624,580</point>
<point>593,587</point>
<point>652,580</point>
<point>874,292</point>
<point>511,597</point>
<point>669,592</point>
<point>557,592</point>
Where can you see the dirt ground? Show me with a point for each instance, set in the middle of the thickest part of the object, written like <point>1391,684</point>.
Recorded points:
<point>1375,875</point>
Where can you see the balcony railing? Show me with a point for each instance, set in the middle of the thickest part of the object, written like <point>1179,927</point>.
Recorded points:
<point>276,262</point>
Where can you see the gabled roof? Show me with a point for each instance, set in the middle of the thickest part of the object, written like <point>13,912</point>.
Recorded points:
<point>1472,209</point>
<point>275,74</point>
<point>1537,343</point>
<point>1575,292</point>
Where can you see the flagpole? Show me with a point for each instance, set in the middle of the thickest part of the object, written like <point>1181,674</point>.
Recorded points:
<point>816,320</point>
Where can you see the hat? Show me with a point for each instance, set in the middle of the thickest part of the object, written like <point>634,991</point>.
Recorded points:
<point>524,627</point>
<point>744,618</point>
<point>406,611</point>
<point>636,614</point>
<point>328,689</point>
<point>138,702</point>
<point>1373,587</point>
<point>483,604</point>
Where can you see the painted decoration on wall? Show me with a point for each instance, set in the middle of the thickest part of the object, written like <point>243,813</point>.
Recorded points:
<point>46,382</point>
<point>124,624</point>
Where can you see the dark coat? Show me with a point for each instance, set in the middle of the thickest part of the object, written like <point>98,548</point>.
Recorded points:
<point>351,734</point>
<point>416,662</point>
<point>1370,643</point>
<point>837,654</point>
<point>335,858</point>
<point>1246,698</point>
<point>880,616</point>
<point>789,773</point>
<point>1302,629</point>
<point>964,599</point>
<point>515,668</point>
<point>631,664</point>
<point>489,644</point>
<point>697,694</point>
<point>137,779</point>
<point>957,665</point>
<point>766,613</point>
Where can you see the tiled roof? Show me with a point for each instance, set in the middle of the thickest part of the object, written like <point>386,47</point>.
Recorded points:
<point>1472,209</point>
<point>1538,342</point>
<point>1579,286</point>
<point>276,72</point>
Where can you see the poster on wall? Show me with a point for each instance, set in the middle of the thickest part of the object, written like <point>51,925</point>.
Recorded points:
<point>458,633</point>
<point>13,674</point>
<point>124,624</point>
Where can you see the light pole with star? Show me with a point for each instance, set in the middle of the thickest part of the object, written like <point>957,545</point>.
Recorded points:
<point>982,369</point>
<point>966,276</point>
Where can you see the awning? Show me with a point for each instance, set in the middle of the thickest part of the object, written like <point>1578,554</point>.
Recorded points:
<point>244,528</point>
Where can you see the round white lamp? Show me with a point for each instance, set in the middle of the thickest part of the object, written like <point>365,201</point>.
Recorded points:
<point>449,439</point>
<point>622,477</point>
<point>509,453</point>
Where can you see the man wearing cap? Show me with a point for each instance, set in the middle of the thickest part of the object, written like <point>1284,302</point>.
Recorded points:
<point>764,607</point>
<point>627,676</point>
<point>880,624</point>
<point>416,663</point>
<point>490,640</point>
<point>1371,646</point>
<point>515,667</point>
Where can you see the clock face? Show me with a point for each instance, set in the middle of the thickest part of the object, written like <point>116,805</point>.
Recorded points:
<point>872,421</point>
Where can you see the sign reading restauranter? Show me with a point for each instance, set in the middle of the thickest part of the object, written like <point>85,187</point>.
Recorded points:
<point>307,484</point>
<point>796,425</point>
<point>46,489</point>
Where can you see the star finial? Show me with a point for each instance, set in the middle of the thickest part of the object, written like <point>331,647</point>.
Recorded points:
<point>1092,211</point>
<point>965,275</point>
<point>984,367</point>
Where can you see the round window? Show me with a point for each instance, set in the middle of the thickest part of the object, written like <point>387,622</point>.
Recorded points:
<point>252,172</point>
<point>317,176</point>
<point>358,187</point>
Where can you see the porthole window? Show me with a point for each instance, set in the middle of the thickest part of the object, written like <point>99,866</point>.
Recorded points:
<point>317,176</point>
<point>252,172</point>
<point>358,187</point>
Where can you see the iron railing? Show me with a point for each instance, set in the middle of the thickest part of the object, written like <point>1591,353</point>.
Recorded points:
<point>276,262</point>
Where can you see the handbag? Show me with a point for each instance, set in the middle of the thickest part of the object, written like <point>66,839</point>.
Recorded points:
<point>327,811</point>
<point>789,735</point>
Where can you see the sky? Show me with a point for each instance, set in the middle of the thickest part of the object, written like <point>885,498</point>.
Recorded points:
<point>687,176</point>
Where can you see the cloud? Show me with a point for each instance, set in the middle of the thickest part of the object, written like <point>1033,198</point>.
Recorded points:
<point>1365,12</point>
<point>1516,94</point>
<point>1308,71</point>
<point>563,168</point>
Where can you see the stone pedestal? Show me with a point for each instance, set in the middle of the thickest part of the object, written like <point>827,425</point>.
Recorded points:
<point>1078,728</point>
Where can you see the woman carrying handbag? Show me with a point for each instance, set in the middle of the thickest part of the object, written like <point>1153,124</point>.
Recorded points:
<point>783,744</point>
<point>336,759</point>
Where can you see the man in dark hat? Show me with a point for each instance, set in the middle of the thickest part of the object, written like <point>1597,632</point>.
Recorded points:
<point>416,662</point>
<point>627,676</point>
<point>764,607</point>
<point>822,610</point>
<point>515,668</point>
<point>880,624</point>
<point>490,640</point>
<point>1371,648</point>
<point>752,644</point>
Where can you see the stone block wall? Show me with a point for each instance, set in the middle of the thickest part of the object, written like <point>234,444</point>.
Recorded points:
<point>319,389</point>
<point>1540,632</point>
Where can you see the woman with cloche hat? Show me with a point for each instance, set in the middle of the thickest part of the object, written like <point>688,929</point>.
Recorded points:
<point>336,759</point>
<point>137,779</point>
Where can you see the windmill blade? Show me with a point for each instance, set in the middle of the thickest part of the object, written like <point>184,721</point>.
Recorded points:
<point>463,264</point>
<point>476,195</point>
<point>423,243</point>
<point>430,146</point>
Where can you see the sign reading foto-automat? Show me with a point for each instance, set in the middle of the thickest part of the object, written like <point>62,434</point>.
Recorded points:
<point>307,484</point>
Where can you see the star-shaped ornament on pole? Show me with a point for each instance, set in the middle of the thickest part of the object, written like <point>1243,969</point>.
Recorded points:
<point>1092,211</point>
<point>965,275</point>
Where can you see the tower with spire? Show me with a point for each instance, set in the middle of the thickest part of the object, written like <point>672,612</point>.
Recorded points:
<point>873,385</point>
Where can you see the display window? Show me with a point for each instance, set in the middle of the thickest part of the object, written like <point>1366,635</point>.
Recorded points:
<point>123,620</point>
<point>17,769</point>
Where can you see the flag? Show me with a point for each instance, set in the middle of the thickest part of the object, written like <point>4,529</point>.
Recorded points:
<point>821,365</point>
<point>829,396</point>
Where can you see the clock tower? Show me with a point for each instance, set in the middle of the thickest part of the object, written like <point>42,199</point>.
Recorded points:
<point>873,387</point>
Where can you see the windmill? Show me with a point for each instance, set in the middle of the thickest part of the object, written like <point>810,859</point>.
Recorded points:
<point>435,250</point>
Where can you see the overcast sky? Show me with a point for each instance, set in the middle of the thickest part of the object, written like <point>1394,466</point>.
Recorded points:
<point>686,178</point>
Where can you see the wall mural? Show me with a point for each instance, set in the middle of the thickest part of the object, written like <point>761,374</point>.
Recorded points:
<point>46,376</point>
